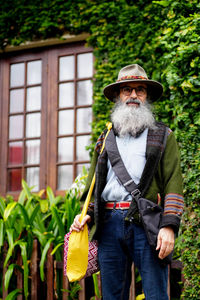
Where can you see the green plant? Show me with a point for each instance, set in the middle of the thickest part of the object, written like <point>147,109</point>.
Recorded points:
<point>47,219</point>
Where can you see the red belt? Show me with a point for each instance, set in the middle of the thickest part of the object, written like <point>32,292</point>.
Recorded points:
<point>117,205</point>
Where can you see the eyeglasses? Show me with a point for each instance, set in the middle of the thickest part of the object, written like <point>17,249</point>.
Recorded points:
<point>140,90</point>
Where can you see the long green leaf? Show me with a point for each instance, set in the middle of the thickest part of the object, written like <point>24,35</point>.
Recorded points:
<point>9,273</point>
<point>10,234</point>
<point>26,189</point>
<point>51,196</point>
<point>58,221</point>
<point>8,210</point>
<point>13,294</point>
<point>34,213</point>
<point>24,214</point>
<point>96,286</point>
<point>43,258</point>
<point>25,266</point>
<point>2,206</point>
<point>56,248</point>
<point>39,223</point>
<point>22,197</point>
<point>1,233</point>
<point>41,237</point>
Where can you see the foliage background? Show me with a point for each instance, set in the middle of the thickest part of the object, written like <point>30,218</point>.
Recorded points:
<point>162,36</point>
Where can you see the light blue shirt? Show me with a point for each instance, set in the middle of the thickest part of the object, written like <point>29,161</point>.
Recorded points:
<point>132,151</point>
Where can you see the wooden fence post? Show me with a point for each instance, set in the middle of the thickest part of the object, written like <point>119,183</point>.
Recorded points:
<point>50,274</point>
<point>65,287</point>
<point>34,271</point>
<point>19,275</point>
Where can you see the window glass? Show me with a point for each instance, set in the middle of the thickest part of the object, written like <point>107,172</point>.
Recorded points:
<point>34,72</point>
<point>85,65</point>
<point>16,127</point>
<point>84,119</point>
<point>33,100</point>
<point>17,72</point>
<point>81,143</point>
<point>32,178</point>
<point>84,92</point>
<point>15,153</point>
<point>14,180</point>
<point>66,68</point>
<point>33,152</point>
<point>65,149</point>
<point>33,125</point>
<point>66,94</point>
<point>65,177</point>
<point>66,122</point>
<point>17,101</point>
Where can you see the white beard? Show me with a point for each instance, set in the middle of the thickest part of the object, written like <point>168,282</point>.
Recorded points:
<point>130,119</point>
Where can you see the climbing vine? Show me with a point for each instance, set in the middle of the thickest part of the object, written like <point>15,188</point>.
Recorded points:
<point>163,37</point>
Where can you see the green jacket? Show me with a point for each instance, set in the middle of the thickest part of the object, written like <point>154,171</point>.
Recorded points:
<point>166,187</point>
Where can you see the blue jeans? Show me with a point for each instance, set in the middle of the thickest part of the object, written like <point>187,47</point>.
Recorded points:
<point>120,244</point>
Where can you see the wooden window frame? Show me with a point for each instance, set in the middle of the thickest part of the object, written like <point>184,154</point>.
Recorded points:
<point>49,111</point>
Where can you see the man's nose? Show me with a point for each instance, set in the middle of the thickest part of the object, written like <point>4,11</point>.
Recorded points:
<point>133,94</point>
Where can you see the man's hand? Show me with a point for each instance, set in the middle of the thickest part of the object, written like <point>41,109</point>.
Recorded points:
<point>77,226</point>
<point>165,241</point>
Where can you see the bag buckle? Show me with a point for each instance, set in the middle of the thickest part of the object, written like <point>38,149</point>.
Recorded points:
<point>136,193</point>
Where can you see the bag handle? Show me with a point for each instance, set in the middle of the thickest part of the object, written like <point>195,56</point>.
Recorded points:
<point>87,201</point>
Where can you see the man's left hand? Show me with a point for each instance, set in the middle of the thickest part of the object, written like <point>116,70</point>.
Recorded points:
<point>165,242</point>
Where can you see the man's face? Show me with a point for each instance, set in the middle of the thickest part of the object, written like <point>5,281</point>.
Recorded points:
<point>131,92</point>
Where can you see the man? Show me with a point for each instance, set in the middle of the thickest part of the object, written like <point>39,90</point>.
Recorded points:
<point>122,242</point>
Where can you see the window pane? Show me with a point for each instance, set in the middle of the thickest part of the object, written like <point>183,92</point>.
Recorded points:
<point>14,180</point>
<point>16,127</point>
<point>66,67</point>
<point>66,122</point>
<point>81,143</point>
<point>65,177</point>
<point>33,98</point>
<point>15,153</point>
<point>66,94</point>
<point>16,101</point>
<point>85,65</point>
<point>84,92</point>
<point>32,178</point>
<point>33,152</point>
<point>33,125</point>
<point>17,75</point>
<point>84,119</point>
<point>65,149</point>
<point>34,72</point>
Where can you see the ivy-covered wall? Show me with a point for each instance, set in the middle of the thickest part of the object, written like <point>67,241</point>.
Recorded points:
<point>162,36</point>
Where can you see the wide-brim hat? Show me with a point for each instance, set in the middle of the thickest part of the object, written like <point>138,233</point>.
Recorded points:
<point>134,73</point>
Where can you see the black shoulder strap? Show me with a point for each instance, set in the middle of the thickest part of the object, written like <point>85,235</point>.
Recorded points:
<point>156,142</point>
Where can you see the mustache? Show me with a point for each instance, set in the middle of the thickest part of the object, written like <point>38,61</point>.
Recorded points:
<point>135,101</point>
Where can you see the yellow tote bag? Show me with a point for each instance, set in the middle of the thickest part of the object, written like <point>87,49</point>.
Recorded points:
<point>77,257</point>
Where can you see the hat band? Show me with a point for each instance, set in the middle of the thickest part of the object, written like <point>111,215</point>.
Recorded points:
<point>132,77</point>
